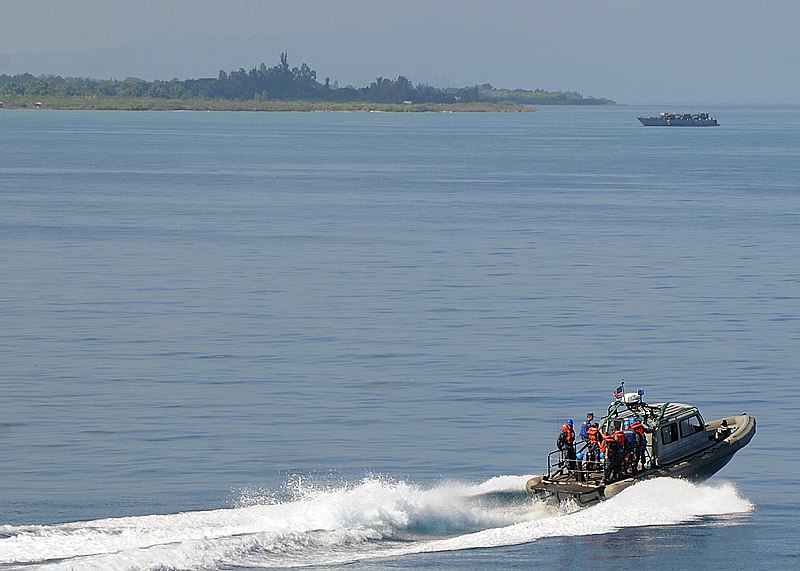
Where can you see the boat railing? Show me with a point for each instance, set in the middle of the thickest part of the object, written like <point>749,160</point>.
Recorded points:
<point>559,467</point>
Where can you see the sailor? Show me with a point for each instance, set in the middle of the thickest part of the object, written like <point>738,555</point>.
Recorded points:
<point>630,446</point>
<point>592,447</point>
<point>619,453</point>
<point>608,446</point>
<point>641,445</point>
<point>585,426</point>
<point>566,443</point>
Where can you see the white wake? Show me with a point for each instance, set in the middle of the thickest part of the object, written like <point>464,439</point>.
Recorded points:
<point>375,517</point>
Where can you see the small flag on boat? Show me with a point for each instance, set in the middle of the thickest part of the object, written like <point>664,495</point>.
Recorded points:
<point>619,392</point>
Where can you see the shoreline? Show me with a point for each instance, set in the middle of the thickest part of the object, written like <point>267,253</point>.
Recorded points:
<point>153,104</point>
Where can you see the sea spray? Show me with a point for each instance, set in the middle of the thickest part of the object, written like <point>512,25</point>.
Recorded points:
<point>374,517</point>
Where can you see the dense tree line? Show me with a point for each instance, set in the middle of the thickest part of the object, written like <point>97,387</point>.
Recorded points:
<point>280,82</point>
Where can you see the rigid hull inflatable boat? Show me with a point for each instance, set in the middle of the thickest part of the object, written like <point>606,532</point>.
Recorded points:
<point>677,442</point>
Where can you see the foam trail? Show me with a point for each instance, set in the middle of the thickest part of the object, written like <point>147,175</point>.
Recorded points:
<point>375,517</point>
<point>653,502</point>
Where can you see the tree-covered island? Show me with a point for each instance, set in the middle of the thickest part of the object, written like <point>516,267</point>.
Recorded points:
<point>277,88</point>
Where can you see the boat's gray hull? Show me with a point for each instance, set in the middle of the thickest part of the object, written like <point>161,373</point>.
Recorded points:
<point>658,122</point>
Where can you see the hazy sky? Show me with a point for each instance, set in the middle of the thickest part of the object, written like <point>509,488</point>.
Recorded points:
<point>636,51</point>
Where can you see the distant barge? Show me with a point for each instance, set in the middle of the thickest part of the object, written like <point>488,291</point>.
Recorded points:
<point>679,120</point>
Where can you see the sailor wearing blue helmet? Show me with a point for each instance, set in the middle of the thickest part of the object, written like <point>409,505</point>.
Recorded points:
<point>630,445</point>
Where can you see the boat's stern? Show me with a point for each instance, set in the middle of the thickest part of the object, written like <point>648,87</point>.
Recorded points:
<point>557,492</point>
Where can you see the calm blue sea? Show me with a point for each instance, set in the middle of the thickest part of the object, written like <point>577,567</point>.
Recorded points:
<point>345,340</point>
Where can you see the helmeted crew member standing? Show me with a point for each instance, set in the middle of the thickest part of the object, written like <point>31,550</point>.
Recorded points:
<point>609,448</point>
<point>630,447</point>
<point>593,446</point>
<point>641,445</point>
<point>619,453</point>
<point>566,443</point>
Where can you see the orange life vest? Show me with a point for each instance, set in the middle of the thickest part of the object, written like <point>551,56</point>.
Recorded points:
<point>569,433</point>
<point>638,427</point>
<point>619,437</point>
<point>592,434</point>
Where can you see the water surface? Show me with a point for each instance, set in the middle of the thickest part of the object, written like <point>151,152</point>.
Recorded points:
<point>318,335</point>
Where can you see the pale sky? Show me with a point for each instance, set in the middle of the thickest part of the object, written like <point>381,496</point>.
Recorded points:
<point>632,51</point>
